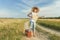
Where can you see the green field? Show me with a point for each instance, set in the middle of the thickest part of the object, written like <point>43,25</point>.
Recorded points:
<point>50,23</point>
<point>54,37</point>
<point>11,29</point>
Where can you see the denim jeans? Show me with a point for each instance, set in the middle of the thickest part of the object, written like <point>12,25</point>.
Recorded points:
<point>32,25</point>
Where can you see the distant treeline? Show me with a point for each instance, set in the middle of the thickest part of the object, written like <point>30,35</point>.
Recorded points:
<point>39,18</point>
<point>49,17</point>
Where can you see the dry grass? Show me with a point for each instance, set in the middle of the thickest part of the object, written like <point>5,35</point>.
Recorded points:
<point>51,19</point>
<point>11,29</point>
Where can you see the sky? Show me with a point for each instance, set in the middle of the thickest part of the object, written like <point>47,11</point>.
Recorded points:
<point>20,8</point>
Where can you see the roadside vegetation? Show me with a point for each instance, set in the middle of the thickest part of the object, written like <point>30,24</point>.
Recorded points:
<point>50,24</point>
<point>50,36</point>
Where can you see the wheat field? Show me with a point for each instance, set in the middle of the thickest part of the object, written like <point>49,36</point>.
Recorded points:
<point>11,29</point>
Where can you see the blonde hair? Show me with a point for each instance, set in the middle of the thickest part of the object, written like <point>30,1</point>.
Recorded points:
<point>35,8</point>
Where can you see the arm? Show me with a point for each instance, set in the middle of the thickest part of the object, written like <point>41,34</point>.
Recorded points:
<point>29,15</point>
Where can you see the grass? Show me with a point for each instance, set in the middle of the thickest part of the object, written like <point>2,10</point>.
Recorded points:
<point>54,37</point>
<point>11,29</point>
<point>43,31</point>
<point>50,36</point>
<point>53,24</point>
<point>50,24</point>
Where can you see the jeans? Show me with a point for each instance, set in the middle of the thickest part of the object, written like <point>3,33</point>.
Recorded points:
<point>32,25</point>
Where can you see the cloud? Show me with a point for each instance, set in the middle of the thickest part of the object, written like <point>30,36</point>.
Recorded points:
<point>31,2</point>
<point>7,13</point>
<point>35,2</point>
<point>52,10</point>
<point>48,11</point>
<point>25,6</point>
<point>22,6</point>
<point>4,13</point>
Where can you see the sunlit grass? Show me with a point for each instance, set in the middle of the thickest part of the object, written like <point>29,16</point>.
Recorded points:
<point>50,24</point>
<point>11,29</point>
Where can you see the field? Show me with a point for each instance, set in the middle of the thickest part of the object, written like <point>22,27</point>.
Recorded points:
<point>50,23</point>
<point>11,29</point>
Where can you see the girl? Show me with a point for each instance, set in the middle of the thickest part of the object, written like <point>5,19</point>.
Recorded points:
<point>33,18</point>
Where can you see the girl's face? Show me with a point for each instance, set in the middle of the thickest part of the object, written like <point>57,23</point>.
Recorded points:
<point>35,11</point>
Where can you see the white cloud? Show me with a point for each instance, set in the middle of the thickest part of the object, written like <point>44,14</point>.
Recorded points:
<point>4,13</point>
<point>52,10</point>
<point>49,10</point>
<point>7,13</point>
<point>34,2</point>
<point>22,6</point>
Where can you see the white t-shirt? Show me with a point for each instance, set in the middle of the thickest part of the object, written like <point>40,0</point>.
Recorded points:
<point>34,16</point>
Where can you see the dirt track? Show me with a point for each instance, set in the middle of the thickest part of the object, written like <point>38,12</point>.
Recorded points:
<point>49,30</point>
<point>39,35</point>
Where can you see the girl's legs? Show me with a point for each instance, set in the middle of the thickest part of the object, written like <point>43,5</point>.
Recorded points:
<point>32,26</point>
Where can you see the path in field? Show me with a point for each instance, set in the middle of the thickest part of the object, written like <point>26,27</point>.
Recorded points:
<point>49,30</point>
<point>39,36</point>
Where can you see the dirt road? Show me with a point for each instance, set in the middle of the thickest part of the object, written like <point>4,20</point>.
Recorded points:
<point>39,35</point>
<point>49,30</point>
